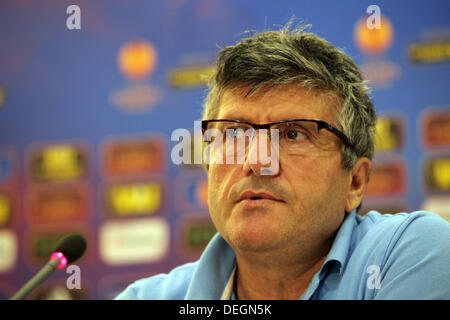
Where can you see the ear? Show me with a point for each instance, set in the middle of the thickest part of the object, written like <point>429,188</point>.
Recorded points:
<point>359,180</point>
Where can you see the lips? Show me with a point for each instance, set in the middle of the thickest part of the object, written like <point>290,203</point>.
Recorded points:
<point>252,195</point>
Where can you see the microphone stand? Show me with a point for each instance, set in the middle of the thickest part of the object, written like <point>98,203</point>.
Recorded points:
<point>36,280</point>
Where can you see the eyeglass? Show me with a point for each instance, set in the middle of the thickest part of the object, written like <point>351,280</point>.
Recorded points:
<point>294,135</point>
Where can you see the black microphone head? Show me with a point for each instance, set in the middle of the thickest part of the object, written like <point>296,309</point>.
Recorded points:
<point>72,246</point>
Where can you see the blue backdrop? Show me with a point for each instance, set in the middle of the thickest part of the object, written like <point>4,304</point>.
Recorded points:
<point>65,87</point>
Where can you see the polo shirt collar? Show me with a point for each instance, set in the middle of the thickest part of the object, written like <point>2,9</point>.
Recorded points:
<point>213,271</point>
<point>340,249</point>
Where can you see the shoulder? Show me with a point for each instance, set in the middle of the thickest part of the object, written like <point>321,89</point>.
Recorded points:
<point>413,252</point>
<point>171,286</point>
<point>422,234</point>
<point>413,233</point>
<point>419,225</point>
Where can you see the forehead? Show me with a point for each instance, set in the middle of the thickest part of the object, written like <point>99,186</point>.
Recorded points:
<point>281,103</point>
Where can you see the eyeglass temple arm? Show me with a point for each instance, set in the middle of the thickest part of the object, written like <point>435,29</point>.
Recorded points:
<point>323,124</point>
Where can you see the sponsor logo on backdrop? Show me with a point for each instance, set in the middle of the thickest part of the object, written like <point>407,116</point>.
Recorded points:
<point>135,241</point>
<point>137,60</point>
<point>435,133</point>
<point>436,128</point>
<point>138,198</point>
<point>389,133</point>
<point>57,162</point>
<point>7,207</point>
<point>388,178</point>
<point>2,98</point>
<point>192,71</point>
<point>374,42</point>
<point>8,250</point>
<point>191,189</point>
<point>437,173</point>
<point>53,203</point>
<point>8,163</point>
<point>197,234</point>
<point>194,231</point>
<point>433,46</point>
<point>133,156</point>
<point>190,77</point>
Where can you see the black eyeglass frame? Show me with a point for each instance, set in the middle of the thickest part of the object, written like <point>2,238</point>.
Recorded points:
<point>320,125</point>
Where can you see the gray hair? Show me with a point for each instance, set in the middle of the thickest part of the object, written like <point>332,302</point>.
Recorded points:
<point>266,60</point>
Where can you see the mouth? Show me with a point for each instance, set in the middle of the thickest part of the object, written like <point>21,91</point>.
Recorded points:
<point>257,196</point>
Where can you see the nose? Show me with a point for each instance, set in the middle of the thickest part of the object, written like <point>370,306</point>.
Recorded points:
<point>262,156</point>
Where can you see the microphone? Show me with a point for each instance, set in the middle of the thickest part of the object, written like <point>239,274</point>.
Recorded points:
<point>69,248</point>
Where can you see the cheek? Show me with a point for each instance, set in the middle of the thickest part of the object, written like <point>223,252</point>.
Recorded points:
<point>213,185</point>
<point>317,182</point>
<point>319,196</point>
<point>218,187</point>
<point>303,173</point>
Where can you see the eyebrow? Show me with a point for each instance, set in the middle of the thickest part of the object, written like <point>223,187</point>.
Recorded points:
<point>243,119</point>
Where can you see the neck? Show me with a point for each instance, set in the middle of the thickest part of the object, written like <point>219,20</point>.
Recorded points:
<point>269,278</point>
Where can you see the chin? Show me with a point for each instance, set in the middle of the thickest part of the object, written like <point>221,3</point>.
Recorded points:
<point>254,231</point>
<point>253,240</point>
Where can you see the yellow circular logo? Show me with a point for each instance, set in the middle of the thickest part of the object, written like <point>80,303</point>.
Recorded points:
<point>137,59</point>
<point>373,41</point>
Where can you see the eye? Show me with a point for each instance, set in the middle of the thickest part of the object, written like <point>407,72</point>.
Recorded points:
<point>234,132</point>
<point>295,134</point>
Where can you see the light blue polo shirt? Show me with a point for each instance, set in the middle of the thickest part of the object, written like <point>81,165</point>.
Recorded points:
<point>399,256</point>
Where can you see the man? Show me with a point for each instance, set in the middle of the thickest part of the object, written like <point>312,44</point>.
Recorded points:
<point>292,232</point>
